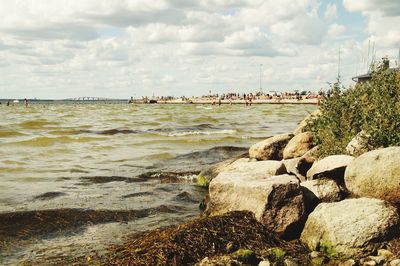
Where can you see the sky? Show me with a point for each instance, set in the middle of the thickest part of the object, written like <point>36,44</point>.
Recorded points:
<point>57,49</point>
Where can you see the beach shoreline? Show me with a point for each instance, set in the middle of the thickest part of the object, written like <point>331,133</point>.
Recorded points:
<point>313,101</point>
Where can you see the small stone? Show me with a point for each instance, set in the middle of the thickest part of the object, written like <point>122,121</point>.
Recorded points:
<point>385,253</point>
<point>264,263</point>
<point>350,262</point>
<point>315,254</point>
<point>380,260</point>
<point>319,261</point>
<point>290,262</point>
<point>369,263</point>
<point>229,247</point>
<point>395,262</point>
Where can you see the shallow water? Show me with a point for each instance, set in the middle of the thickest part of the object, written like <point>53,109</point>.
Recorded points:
<point>90,156</point>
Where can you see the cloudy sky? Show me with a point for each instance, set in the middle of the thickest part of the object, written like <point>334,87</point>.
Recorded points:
<point>121,48</point>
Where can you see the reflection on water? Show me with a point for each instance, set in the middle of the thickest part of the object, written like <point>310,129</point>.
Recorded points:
<point>96,156</point>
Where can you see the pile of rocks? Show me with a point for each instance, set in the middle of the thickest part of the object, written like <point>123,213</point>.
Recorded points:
<point>342,202</point>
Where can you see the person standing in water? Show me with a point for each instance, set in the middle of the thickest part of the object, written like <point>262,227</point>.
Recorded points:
<point>26,102</point>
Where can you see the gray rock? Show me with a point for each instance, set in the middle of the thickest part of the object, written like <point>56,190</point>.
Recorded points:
<point>298,145</point>
<point>271,148</point>
<point>352,226</point>
<point>331,167</point>
<point>321,190</point>
<point>359,144</point>
<point>375,174</point>
<point>277,201</point>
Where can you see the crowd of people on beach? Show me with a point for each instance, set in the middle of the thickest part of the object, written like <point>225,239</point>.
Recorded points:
<point>248,98</point>
<point>265,96</point>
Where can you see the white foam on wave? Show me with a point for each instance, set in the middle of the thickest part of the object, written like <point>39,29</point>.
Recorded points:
<point>188,133</point>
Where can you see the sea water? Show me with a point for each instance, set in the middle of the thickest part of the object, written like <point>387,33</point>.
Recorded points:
<point>94,156</point>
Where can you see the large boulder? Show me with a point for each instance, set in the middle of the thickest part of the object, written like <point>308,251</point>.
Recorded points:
<point>298,145</point>
<point>205,177</point>
<point>375,174</point>
<point>332,167</point>
<point>321,190</point>
<point>271,148</point>
<point>351,227</point>
<point>259,169</point>
<point>277,201</point>
<point>302,125</point>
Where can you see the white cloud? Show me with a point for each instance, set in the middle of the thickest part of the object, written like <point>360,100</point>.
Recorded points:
<point>336,29</point>
<point>61,49</point>
<point>330,11</point>
<point>383,20</point>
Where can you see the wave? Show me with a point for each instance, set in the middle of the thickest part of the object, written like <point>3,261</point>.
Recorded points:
<point>10,133</point>
<point>189,133</point>
<point>38,123</point>
<point>48,141</point>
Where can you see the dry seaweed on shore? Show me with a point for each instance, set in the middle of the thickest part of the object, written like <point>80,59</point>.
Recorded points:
<point>205,237</point>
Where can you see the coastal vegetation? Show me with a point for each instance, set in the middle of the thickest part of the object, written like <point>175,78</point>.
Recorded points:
<point>371,107</point>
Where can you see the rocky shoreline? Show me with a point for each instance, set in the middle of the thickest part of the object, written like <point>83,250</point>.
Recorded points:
<point>279,204</point>
<point>344,209</point>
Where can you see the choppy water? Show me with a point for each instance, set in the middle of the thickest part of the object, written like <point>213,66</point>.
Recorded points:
<point>91,155</point>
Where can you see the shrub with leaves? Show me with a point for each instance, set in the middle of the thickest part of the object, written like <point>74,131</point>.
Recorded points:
<point>373,107</point>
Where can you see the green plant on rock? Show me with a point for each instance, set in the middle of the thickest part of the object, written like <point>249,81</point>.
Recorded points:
<point>276,254</point>
<point>328,248</point>
<point>373,107</point>
<point>245,256</point>
<point>202,181</point>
